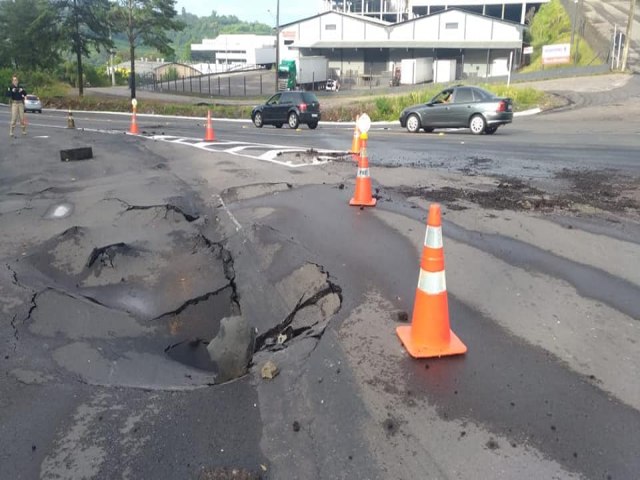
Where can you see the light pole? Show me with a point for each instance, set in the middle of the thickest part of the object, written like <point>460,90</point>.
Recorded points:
<point>277,41</point>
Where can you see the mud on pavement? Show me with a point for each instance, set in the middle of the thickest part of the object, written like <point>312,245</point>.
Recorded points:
<point>574,191</point>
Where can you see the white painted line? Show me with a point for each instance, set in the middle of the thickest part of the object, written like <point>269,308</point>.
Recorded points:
<point>239,150</point>
<point>231,216</point>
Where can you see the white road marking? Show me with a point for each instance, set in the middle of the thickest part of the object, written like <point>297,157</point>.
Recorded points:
<point>231,216</point>
<point>243,149</point>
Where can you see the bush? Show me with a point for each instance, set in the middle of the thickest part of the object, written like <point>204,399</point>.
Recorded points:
<point>33,82</point>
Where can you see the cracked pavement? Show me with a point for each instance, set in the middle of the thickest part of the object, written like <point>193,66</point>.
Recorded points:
<point>119,272</point>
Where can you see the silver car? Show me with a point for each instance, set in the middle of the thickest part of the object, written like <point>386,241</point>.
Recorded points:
<point>460,107</point>
<point>32,104</point>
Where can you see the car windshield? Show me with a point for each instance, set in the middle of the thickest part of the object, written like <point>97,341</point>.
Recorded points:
<point>32,97</point>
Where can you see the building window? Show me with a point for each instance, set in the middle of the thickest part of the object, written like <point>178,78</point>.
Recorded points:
<point>451,26</point>
<point>330,26</point>
<point>288,42</point>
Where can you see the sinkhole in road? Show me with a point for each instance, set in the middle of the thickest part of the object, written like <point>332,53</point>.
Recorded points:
<point>145,289</point>
<point>195,325</point>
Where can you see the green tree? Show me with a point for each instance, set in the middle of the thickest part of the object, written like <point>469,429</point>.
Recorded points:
<point>29,35</point>
<point>86,24</point>
<point>146,22</point>
<point>550,24</point>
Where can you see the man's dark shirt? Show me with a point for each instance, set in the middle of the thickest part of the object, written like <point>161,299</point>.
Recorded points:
<point>17,93</point>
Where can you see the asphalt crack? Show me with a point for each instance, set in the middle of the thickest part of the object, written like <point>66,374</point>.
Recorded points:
<point>228,265</point>
<point>107,254</point>
<point>194,301</point>
<point>276,336</point>
<point>14,275</point>
<point>166,206</point>
<point>15,330</point>
<point>14,324</point>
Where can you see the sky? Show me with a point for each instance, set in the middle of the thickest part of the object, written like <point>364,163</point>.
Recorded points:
<point>253,10</point>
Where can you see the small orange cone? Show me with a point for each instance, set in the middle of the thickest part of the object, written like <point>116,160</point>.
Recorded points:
<point>355,143</point>
<point>71,123</point>
<point>209,135</point>
<point>429,334</point>
<point>134,124</point>
<point>362,196</point>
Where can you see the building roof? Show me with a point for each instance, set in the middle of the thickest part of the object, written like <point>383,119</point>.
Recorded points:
<point>456,9</point>
<point>412,43</point>
<point>335,12</point>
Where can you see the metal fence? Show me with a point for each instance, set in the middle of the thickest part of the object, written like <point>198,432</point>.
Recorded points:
<point>599,42</point>
<point>220,85</point>
<point>248,84</point>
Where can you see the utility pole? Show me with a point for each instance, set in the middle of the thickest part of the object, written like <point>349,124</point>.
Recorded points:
<point>573,24</point>
<point>277,41</point>
<point>113,68</point>
<point>579,23</point>
<point>627,43</point>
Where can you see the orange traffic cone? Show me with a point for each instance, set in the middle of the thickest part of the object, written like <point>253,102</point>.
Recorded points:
<point>355,143</point>
<point>429,334</point>
<point>209,135</point>
<point>362,196</point>
<point>134,124</point>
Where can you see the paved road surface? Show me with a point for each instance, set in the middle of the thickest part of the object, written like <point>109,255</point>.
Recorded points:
<point>117,272</point>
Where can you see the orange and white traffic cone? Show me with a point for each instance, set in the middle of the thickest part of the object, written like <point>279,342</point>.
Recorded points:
<point>355,143</point>
<point>209,135</point>
<point>429,334</point>
<point>133,129</point>
<point>363,196</point>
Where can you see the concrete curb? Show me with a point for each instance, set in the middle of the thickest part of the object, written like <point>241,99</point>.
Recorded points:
<point>528,113</point>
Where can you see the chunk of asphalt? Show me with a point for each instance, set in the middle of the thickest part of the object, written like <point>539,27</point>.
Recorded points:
<point>72,154</point>
<point>232,348</point>
<point>269,370</point>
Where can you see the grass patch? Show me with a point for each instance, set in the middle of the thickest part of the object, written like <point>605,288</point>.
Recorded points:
<point>121,104</point>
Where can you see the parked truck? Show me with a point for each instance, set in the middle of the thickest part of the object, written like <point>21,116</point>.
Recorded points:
<point>308,73</point>
<point>416,70</point>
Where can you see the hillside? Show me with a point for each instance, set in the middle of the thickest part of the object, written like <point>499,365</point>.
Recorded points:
<point>196,29</point>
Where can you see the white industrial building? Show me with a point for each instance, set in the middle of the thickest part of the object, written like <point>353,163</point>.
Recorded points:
<point>401,10</point>
<point>248,49</point>
<point>463,43</point>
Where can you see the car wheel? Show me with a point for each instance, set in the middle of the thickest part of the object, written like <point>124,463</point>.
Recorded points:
<point>477,124</point>
<point>413,123</point>
<point>490,130</point>
<point>313,125</point>
<point>277,125</point>
<point>293,120</point>
<point>257,120</point>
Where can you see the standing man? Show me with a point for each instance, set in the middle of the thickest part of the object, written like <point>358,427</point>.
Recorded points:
<point>17,94</point>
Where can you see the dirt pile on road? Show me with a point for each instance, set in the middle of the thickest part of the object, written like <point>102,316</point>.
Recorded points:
<point>581,191</point>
